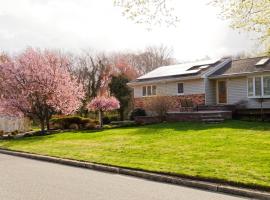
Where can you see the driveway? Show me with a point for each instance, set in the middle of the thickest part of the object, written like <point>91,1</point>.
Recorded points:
<point>26,179</point>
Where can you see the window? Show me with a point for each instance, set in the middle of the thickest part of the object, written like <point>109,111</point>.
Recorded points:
<point>180,88</point>
<point>259,86</point>
<point>250,86</point>
<point>266,85</point>
<point>144,91</point>
<point>149,90</point>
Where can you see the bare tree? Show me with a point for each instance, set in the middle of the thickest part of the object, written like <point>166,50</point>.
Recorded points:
<point>148,59</point>
<point>93,72</point>
<point>155,56</point>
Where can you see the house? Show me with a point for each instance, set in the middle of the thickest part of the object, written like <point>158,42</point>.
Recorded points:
<point>244,82</point>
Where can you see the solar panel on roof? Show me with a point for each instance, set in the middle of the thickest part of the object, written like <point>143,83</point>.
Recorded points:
<point>179,69</point>
<point>262,61</point>
<point>204,67</point>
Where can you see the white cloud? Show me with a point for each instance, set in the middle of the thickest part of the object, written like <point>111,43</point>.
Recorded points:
<point>72,25</point>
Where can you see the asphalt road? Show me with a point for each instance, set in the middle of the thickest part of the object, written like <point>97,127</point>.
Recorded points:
<point>26,179</point>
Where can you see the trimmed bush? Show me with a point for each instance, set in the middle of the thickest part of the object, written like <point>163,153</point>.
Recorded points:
<point>137,112</point>
<point>106,120</point>
<point>123,123</point>
<point>14,132</point>
<point>74,126</point>
<point>1,132</point>
<point>109,119</point>
<point>73,122</point>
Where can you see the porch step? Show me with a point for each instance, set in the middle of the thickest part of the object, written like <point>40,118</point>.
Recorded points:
<point>213,120</point>
<point>214,115</point>
<point>216,107</point>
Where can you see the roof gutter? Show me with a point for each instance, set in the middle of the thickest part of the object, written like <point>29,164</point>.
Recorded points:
<point>237,74</point>
<point>162,81</point>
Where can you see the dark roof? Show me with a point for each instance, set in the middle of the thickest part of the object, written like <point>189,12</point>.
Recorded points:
<point>242,66</point>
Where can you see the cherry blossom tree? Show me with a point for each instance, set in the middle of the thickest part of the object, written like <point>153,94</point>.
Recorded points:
<point>38,84</point>
<point>103,104</point>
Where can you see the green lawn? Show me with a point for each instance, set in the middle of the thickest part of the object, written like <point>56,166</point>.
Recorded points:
<point>234,151</point>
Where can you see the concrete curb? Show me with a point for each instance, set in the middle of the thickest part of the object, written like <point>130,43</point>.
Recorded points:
<point>148,175</point>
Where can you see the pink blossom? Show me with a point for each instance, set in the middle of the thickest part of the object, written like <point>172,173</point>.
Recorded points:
<point>103,104</point>
<point>36,82</point>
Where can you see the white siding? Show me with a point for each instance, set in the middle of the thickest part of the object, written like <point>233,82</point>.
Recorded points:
<point>170,88</point>
<point>237,91</point>
<point>210,92</point>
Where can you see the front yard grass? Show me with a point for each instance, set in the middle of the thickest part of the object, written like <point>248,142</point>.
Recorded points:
<point>234,151</point>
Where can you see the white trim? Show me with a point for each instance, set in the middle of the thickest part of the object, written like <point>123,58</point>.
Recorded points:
<point>239,74</point>
<point>219,66</point>
<point>162,81</point>
<point>262,87</point>
<point>183,93</point>
<point>146,87</point>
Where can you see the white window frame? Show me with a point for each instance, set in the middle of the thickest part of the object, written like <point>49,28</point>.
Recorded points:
<point>151,86</point>
<point>183,88</point>
<point>262,86</point>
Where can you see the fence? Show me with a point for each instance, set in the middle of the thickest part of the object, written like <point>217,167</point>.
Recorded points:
<point>10,124</point>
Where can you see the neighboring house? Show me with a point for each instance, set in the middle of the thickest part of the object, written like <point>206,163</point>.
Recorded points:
<point>212,82</point>
<point>10,124</point>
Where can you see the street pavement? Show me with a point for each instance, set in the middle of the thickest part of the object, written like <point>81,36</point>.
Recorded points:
<point>26,179</point>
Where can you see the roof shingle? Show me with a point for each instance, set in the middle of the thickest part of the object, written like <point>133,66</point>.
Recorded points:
<point>241,66</point>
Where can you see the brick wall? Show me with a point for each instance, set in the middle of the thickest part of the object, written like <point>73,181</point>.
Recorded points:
<point>175,105</point>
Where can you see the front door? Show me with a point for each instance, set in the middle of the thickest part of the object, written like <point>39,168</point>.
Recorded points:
<point>222,92</point>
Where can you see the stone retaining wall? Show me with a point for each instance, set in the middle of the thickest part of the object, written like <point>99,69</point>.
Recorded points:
<point>185,116</point>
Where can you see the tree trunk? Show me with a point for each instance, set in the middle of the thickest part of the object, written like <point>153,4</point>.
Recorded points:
<point>121,112</point>
<point>47,118</point>
<point>100,114</point>
<point>48,123</point>
<point>42,125</point>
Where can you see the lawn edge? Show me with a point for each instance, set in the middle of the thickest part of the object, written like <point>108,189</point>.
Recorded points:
<point>153,176</point>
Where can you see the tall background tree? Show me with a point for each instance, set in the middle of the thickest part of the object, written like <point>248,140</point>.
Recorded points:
<point>93,72</point>
<point>119,89</point>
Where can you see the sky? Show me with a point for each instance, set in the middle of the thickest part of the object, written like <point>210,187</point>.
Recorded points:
<point>73,25</point>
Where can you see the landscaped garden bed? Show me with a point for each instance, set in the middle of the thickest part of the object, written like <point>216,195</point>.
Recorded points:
<point>234,151</point>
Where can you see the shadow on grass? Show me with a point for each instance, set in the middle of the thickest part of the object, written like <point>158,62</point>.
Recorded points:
<point>153,129</point>
<point>199,126</point>
<point>27,140</point>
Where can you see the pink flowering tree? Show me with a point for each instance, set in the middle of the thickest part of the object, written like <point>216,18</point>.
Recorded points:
<point>103,104</point>
<point>38,84</point>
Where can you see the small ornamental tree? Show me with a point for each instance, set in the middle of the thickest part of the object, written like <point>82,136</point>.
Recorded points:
<point>38,84</point>
<point>103,104</point>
